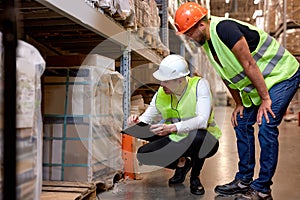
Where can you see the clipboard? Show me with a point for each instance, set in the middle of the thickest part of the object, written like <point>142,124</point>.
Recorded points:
<point>140,130</point>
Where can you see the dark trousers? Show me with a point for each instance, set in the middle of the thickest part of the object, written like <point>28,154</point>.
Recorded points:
<point>162,151</point>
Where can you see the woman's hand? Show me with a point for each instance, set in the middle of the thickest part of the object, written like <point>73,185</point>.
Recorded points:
<point>163,129</point>
<point>133,119</point>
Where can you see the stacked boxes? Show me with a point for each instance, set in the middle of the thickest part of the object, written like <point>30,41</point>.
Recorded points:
<point>274,14</point>
<point>148,23</point>
<point>141,76</point>
<point>137,105</point>
<point>292,10</point>
<point>293,34</point>
<point>83,118</point>
<point>292,40</point>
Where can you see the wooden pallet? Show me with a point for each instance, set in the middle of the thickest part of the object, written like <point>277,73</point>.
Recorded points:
<point>61,190</point>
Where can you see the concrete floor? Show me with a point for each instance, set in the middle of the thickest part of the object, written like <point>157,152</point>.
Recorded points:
<point>219,169</point>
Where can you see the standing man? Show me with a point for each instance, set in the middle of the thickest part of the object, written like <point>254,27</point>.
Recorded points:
<point>262,77</point>
<point>187,129</point>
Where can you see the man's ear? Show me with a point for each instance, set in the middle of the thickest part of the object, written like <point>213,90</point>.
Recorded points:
<point>202,26</point>
<point>180,80</point>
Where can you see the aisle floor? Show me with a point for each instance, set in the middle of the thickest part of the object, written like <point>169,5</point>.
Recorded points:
<point>219,169</point>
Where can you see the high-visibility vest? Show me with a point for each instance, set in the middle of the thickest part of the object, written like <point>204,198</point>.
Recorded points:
<point>273,60</point>
<point>174,110</point>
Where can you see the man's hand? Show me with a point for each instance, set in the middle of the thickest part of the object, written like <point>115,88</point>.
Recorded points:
<point>163,129</point>
<point>239,109</point>
<point>263,110</point>
<point>133,119</point>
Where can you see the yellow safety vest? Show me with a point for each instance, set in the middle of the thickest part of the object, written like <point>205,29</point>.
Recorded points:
<point>173,110</point>
<point>274,61</point>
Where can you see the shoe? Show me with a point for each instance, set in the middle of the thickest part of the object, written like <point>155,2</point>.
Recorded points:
<point>234,187</point>
<point>181,172</point>
<point>255,195</point>
<point>196,186</point>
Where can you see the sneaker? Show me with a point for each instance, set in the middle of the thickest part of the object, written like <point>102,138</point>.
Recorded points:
<point>181,172</point>
<point>234,187</point>
<point>196,187</point>
<point>255,195</point>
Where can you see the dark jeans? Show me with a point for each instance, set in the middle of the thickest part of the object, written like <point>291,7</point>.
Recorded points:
<point>162,151</point>
<point>281,94</point>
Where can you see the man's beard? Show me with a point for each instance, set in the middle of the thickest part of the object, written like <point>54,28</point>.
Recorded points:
<point>202,40</point>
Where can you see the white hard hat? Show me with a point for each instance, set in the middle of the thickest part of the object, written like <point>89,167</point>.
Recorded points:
<point>171,67</point>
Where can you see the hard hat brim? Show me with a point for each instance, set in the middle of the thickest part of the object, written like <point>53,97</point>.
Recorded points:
<point>157,75</point>
<point>180,32</point>
<point>183,31</point>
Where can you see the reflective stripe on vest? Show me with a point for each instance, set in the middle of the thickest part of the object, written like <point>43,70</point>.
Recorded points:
<point>256,57</point>
<point>267,71</point>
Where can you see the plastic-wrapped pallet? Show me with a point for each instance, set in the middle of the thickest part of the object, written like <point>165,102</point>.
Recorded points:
<point>83,118</point>
<point>103,3</point>
<point>30,66</point>
<point>121,8</point>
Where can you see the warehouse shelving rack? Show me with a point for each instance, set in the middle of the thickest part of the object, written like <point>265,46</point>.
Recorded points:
<point>53,26</point>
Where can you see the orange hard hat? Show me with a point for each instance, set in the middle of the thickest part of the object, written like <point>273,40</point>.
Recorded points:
<point>187,15</point>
